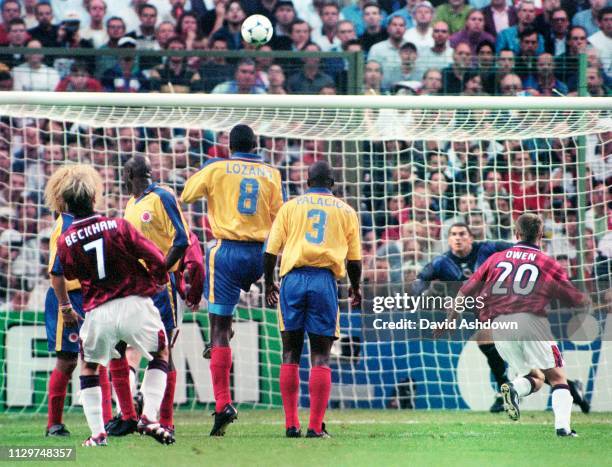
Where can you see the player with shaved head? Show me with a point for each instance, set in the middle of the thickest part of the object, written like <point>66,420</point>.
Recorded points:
<point>243,197</point>
<point>317,234</point>
<point>154,211</point>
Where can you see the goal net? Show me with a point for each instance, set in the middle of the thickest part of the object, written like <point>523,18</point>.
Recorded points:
<point>410,166</point>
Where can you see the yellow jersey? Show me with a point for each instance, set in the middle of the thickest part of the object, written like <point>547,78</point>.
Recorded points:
<point>62,223</point>
<point>157,215</point>
<point>243,193</point>
<point>316,229</point>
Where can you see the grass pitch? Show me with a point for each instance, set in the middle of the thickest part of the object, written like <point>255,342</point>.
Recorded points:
<point>360,437</point>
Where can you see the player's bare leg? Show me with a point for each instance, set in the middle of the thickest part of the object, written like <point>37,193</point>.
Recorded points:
<point>91,397</point>
<point>496,364</point>
<point>319,385</point>
<point>293,343</point>
<point>561,401</point>
<point>220,366</point>
<point>518,388</point>
<point>65,364</point>
<point>133,358</point>
<point>153,388</point>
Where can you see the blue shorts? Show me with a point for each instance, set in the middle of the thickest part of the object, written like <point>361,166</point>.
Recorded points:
<point>231,266</point>
<point>165,302</point>
<point>309,301</point>
<point>61,338</point>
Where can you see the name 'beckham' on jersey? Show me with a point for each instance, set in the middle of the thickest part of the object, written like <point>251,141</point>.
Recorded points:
<point>104,255</point>
<point>243,196</point>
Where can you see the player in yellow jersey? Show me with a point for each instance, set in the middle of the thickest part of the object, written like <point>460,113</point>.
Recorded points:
<point>62,331</point>
<point>154,211</point>
<point>244,194</point>
<point>317,234</point>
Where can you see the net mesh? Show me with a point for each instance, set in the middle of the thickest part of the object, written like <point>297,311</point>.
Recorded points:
<point>409,174</point>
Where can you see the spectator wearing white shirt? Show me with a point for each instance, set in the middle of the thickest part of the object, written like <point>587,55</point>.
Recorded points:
<point>387,52</point>
<point>96,32</point>
<point>325,36</point>
<point>308,10</point>
<point>599,155</point>
<point>440,55</point>
<point>421,34</point>
<point>129,13</point>
<point>602,40</point>
<point>34,75</point>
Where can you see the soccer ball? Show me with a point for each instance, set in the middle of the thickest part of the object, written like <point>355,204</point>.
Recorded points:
<point>257,30</point>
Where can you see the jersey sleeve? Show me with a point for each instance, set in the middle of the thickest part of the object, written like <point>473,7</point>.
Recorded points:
<point>427,274</point>
<point>353,239</point>
<point>563,288</point>
<point>196,186</point>
<point>501,246</point>
<point>278,233</point>
<point>278,196</point>
<point>474,284</point>
<point>55,266</point>
<point>144,249</point>
<point>62,266</point>
<point>175,218</point>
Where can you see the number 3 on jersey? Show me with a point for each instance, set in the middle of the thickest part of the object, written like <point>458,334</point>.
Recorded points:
<point>317,228</point>
<point>97,245</point>
<point>249,192</point>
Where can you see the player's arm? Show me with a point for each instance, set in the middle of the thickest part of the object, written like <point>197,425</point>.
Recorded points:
<point>178,224</point>
<point>274,245</point>
<point>470,288</point>
<point>58,283</point>
<point>565,291</point>
<point>196,186</point>
<point>501,246</point>
<point>193,264</point>
<point>353,263</point>
<point>145,249</point>
<point>423,280</point>
<point>271,288</point>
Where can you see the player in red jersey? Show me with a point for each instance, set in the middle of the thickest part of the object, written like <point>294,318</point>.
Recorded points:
<point>516,286</point>
<point>105,256</point>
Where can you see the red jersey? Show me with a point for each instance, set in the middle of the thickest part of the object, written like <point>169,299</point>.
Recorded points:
<point>193,264</point>
<point>521,279</point>
<point>105,256</point>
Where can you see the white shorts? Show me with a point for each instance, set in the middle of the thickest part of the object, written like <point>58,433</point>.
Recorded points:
<point>133,319</point>
<point>531,346</point>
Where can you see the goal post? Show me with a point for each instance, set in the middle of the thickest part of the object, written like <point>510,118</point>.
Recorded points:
<point>410,166</point>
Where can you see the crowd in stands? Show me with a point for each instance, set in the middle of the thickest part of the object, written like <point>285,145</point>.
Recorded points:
<point>408,193</point>
<point>468,47</point>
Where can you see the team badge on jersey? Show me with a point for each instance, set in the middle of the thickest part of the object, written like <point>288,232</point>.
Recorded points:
<point>146,216</point>
<point>73,337</point>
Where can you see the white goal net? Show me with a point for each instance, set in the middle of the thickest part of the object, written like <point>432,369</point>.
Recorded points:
<point>410,166</point>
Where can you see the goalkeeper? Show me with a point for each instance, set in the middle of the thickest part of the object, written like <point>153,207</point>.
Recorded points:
<point>462,259</point>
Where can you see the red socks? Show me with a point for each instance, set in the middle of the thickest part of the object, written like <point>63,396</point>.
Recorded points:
<point>58,383</point>
<point>319,387</point>
<point>107,398</point>
<point>166,410</point>
<point>120,375</point>
<point>220,365</point>
<point>290,391</point>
